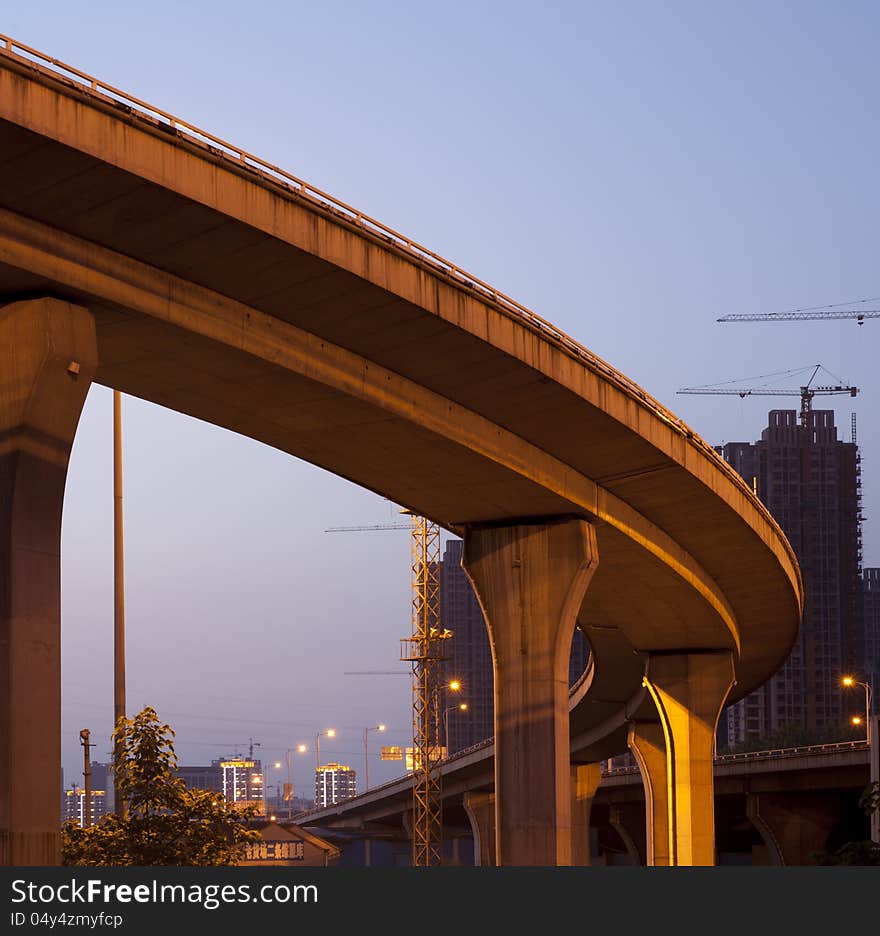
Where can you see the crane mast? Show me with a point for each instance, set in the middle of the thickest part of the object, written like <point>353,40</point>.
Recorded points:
<point>423,650</point>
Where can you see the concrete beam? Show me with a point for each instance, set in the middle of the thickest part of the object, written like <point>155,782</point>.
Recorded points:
<point>689,690</point>
<point>121,281</point>
<point>530,580</point>
<point>48,356</point>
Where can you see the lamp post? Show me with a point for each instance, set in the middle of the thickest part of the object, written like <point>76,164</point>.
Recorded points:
<point>461,707</point>
<point>277,766</point>
<point>366,756</point>
<point>848,681</point>
<point>300,749</point>
<point>873,758</point>
<point>329,733</point>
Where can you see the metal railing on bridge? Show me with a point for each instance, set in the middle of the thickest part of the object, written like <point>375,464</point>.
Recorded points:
<point>803,750</point>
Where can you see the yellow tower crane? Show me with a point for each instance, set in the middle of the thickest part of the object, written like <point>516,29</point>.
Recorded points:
<point>423,650</point>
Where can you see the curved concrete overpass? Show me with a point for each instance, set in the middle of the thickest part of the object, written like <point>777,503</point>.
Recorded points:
<point>224,288</point>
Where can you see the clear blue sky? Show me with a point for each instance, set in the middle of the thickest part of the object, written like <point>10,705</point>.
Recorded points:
<point>630,170</point>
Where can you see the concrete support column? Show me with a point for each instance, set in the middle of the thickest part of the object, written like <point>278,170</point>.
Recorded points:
<point>689,690</point>
<point>480,810</point>
<point>585,780</point>
<point>530,580</point>
<point>48,356</point>
<point>794,827</point>
<point>648,745</point>
<point>617,821</point>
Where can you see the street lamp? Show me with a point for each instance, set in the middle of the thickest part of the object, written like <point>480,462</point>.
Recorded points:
<point>277,766</point>
<point>366,758</point>
<point>329,733</point>
<point>300,749</point>
<point>461,707</point>
<point>873,755</point>
<point>848,681</point>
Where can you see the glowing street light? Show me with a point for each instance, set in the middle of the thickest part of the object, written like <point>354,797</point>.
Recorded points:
<point>329,733</point>
<point>849,682</point>
<point>366,758</point>
<point>300,749</point>
<point>461,707</point>
<point>873,755</point>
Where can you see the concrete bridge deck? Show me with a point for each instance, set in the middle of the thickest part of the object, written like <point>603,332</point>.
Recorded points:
<point>223,288</point>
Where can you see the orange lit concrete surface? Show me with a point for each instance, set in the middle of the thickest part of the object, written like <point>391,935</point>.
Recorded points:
<point>48,356</point>
<point>219,289</point>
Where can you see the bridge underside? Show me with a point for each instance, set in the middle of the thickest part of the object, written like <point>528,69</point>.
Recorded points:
<point>218,293</point>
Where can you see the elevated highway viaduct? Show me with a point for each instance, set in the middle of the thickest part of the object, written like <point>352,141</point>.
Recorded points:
<point>782,807</point>
<point>142,254</point>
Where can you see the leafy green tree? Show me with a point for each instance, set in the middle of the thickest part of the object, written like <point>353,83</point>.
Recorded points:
<point>165,823</point>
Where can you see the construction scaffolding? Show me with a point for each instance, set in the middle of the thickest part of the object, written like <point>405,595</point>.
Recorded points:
<point>424,651</point>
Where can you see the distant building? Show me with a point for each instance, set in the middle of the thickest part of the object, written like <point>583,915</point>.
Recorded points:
<point>239,779</point>
<point>334,783</point>
<point>471,655</point>
<point>871,595</point>
<point>813,491</point>
<point>75,805</point>
<point>242,782</point>
<point>102,779</point>
<point>200,777</point>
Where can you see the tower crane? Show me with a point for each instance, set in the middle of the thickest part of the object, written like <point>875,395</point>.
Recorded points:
<point>813,313</point>
<point>806,392</point>
<point>423,650</point>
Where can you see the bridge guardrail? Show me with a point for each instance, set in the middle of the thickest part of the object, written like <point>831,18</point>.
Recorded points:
<point>829,748</point>
<point>627,770</point>
<point>337,207</point>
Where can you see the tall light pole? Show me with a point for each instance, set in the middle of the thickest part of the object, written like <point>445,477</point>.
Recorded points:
<point>118,599</point>
<point>87,777</point>
<point>873,754</point>
<point>329,733</point>
<point>366,757</point>
<point>300,749</point>
<point>461,707</point>
<point>848,681</point>
<point>277,766</point>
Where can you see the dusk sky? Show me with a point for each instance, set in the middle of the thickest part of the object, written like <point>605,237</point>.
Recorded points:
<point>630,171</point>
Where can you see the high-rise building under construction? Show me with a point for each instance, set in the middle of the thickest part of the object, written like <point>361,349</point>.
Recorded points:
<point>871,606</point>
<point>810,481</point>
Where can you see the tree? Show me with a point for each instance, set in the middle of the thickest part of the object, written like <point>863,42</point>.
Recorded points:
<point>165,822</point>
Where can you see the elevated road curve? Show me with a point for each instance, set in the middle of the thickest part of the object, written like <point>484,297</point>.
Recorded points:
<point>151,257</point>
